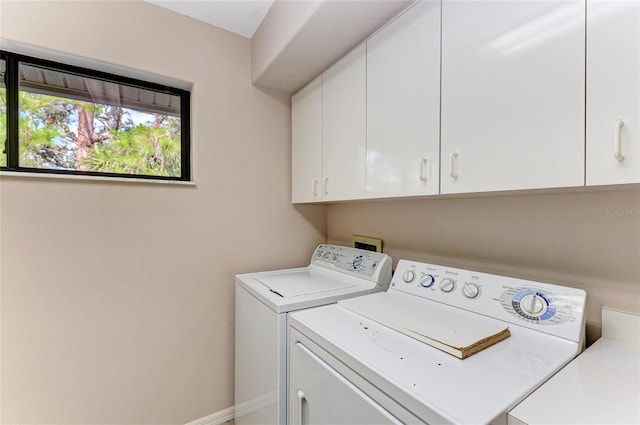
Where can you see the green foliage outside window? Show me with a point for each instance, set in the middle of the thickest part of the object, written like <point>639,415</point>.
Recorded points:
<point>60,133</point>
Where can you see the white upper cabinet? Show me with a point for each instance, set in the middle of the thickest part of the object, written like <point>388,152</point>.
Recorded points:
<point>403,104</point>
<point>344,138</point>
<point>306,148</point>
<point>512,95</point>
<point>613,92</point>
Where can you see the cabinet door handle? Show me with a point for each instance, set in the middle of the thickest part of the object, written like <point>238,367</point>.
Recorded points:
<point>423,175</point>
<point>325,185</point>
<point>314,186</point>
<point>617,140</point>
<point>452,159</point>
<point>303,414</point>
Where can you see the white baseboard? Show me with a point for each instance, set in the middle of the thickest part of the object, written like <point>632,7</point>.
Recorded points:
<point>217,418</point>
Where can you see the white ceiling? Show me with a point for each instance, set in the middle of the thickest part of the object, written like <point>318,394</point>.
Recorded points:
<point>299,38</point>
<point>239,16</point>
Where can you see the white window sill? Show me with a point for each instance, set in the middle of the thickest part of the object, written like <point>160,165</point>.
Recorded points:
<point>47,176</point>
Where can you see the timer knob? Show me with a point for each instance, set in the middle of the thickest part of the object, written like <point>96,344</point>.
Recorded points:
<point>470,290</point>
<point>358,262</point>
<point>326,255</point>
<point>533,305</point>
<point>447,285</point>
<point>408,276</point>
<point>427,281</point>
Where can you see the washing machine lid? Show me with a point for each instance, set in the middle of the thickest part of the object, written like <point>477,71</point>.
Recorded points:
<point>294,289</point>
<point>302,282</point>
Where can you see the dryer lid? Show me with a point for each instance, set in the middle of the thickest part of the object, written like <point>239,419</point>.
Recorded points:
<point>303,282</point>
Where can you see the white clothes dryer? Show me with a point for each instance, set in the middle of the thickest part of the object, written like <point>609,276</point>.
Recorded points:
<point>399,356</point>
<point>263,303</point>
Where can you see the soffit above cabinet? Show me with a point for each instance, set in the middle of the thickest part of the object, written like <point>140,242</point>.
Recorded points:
<point>298,40</point>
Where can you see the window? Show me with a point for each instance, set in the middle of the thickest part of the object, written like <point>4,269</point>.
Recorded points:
<point>3,111</point>
<point>57,118</point>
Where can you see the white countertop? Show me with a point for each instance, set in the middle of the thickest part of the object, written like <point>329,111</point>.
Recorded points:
<point>601,386</point>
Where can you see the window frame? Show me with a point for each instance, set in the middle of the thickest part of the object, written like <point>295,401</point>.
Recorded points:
<point>12,142</point>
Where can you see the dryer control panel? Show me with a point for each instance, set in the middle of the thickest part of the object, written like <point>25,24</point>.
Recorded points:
<point>553,309</point>
<point>371,265</point>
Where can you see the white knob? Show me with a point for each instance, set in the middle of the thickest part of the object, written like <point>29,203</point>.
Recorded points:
<point>427,281</point>
<point>533,305</point>
<point>408,276</point>
<point>448,285</point>
<point>470,290</point>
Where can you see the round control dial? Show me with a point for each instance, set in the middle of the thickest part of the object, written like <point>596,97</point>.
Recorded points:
<point>326,255</point>
<point>533,305</point>
<point>358,262</point>
<point>447,285</point>
<point>471,290</point>
<point>408,276</point>
<point>427,281</point>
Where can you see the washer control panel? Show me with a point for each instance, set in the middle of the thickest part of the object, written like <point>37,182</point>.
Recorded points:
<point>553,309</point>
<point>540,306</point>
<point>368,264</point>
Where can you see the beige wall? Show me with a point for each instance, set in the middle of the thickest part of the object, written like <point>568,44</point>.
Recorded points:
<point>117,298</point>
<point>589,240</point>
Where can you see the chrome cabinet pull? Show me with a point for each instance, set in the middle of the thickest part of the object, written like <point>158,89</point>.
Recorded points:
<point>325,185</point>
<point>423,175</point>
<point>452,159</point>
<point>314,186</point>
<point>617,140</point>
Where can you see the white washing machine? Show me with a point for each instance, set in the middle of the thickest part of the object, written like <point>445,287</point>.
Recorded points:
<point>373,359</point>
<point>263,303</point>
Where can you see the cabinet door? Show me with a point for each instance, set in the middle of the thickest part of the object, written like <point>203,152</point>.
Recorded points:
<point>613,92</point>
<point>306,147</point>
<point>344,127</point>
<point>319,395</point>
<point>512,95</point>
<point>403,104</point>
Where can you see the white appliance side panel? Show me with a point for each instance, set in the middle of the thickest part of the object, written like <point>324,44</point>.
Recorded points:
<point>306,148</point>
<point>613,91</point>
<point>320,395</point>
<point>512,95</point>
<point>621,326</point>
<point>601,386</point>
<point>344,93</point>
<point>260,343</point>
<point>403,104</point>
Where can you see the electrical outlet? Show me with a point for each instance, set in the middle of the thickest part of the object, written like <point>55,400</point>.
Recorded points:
<point>365,242</point>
